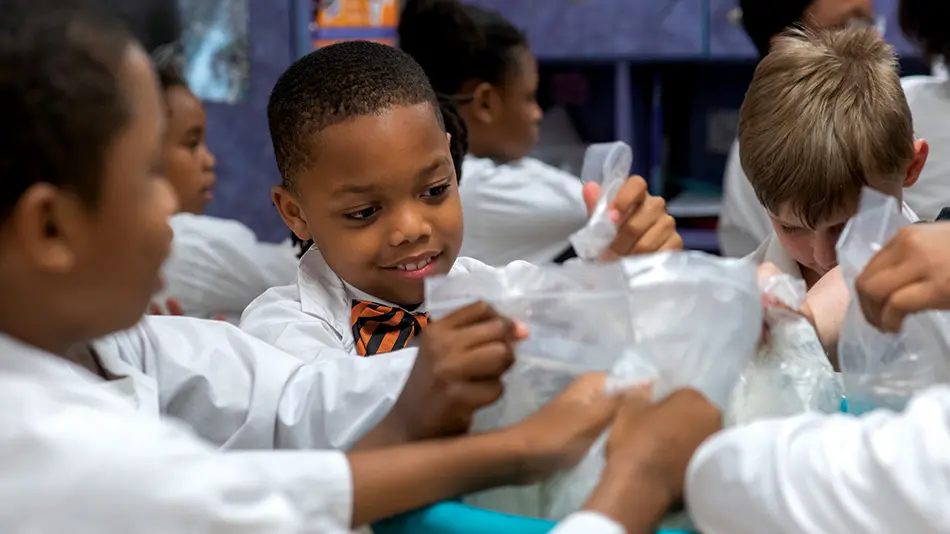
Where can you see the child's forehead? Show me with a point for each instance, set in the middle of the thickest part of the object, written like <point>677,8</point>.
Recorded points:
<point>403,141</point>
<point>788,215</point>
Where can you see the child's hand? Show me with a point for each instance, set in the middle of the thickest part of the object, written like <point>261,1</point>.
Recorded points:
<point>643,225</point>
<point>654,442</point>
<point>458,371</point>
<point>560,434</point>
<point>910,274</point>
<point>172,307</point>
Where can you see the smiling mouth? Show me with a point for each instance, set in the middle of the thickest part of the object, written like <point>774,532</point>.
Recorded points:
<point>417,263</point>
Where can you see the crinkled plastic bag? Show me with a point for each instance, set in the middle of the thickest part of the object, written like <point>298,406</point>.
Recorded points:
<point>790,372</point>
<point>883,370</point>
<point>696,322</point>
<point>579,321</point>
<point>609,165</point>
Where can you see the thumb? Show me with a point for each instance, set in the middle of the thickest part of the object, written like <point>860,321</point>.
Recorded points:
<point>591,196</point>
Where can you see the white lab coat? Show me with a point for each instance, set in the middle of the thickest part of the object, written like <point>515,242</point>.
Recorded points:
<point>929,100</point>
<point>744,224</point>
<point>81,460</point>
<point>771,250</point>
<point>217,266</point>
<point>882,473</point>
<point>524,210</point>
<point>311,318</point>
<point>240,393</point>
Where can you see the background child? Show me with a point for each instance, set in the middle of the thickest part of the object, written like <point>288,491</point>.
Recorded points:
<point>743,223</point>
<point>929,101</point>
<point>824,117</point>
<point>217,266</point>
<point>516,207</point>
<point>366,162</point>
<point>83,231</point>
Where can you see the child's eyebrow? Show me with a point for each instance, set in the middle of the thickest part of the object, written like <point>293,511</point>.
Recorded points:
<point>351,189</point>
<point>431,168</point>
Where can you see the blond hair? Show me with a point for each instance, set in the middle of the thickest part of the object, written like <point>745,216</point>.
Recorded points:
<point>825,115</point>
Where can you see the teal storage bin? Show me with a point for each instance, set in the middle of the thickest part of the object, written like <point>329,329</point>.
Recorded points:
<point>457,518</point>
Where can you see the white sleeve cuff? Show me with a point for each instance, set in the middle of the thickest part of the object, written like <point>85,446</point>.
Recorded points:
<point>588,523</point>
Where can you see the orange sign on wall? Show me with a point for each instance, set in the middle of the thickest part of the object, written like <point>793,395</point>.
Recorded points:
<point>344,20</point>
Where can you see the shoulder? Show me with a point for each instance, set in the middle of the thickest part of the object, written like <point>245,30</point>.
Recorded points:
<point>922,91</point>
<point>195,229</point>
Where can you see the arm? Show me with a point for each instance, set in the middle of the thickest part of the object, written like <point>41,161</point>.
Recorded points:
<point>219,266</point>
<point>881,473</point>
<point>242,393</point>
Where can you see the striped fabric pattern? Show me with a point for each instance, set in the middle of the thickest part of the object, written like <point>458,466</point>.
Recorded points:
<point>378,329</point>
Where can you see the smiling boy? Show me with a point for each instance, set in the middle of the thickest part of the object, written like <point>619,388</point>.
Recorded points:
<point>363,149</point>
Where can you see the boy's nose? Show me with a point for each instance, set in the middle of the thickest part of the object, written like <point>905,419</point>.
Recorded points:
<point>410,227</point>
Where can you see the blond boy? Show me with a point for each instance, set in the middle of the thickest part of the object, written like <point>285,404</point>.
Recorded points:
<point>824,117</point>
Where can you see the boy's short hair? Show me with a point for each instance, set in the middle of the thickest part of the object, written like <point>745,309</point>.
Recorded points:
<point>825,115</point>
<point>335,84</point>
<point>168,64</point>
<point>61,104</point>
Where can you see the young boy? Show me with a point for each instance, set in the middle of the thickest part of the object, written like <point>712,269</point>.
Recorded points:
<point>882,473</point>
<point>743,223</point>
<point>364,155</point>
<point>83,233</point>
<point>824,117</point>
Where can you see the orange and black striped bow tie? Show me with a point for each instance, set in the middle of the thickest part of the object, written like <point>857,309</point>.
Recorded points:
<point>378,328</point>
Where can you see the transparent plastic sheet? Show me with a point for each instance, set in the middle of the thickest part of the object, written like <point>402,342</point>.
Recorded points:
<point>609,165</point>
<point>882,370</point>
<point>579,320</point>
<point>696,322</point>
<point>790,372</point>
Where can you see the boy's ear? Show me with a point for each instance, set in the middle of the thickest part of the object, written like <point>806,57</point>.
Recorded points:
<point>921,151</point>
<point>485,103</point>
<point>289,208</point>
<point>45,223</point>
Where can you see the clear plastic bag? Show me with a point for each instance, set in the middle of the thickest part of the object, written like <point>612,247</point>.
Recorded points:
<point>609,165</point>
<point>696,320</point>
<point>882,370</point>
<point>579,321</point>
<point>790,372</point>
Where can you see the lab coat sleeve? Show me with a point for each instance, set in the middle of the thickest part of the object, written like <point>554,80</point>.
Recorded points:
<point>743,222</point>
<point>218,266</point>
<point>241,393</point>
<point>588,523</point>
<point>97,472</point>
<point>882,473</point>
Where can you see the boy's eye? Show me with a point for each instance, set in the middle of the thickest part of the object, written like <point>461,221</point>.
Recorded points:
<point>436,191</point>
<point>362,214</point>
<point>791,229</point>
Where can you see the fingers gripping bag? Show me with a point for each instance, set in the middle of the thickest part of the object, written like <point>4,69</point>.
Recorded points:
<point>696,320</point>
<point>609,165</point>
<point>579,321</point>
<point>790,372</point>
<point>882,370</point>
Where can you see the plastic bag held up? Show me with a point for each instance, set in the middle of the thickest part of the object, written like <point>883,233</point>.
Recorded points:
<point>882,369</point>
<point>579,322</point>
<point>609,165</point>
<point>790,372</point>
<point>696,320</point>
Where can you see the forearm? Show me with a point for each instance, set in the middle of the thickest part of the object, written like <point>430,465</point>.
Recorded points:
<point>398,479</point>
<point>389,432</point>
<point>626,496</point>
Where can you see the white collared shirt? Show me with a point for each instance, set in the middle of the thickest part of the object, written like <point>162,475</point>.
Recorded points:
<point>310,319</point>
<point>772,251</point>
<point>79,459</point>
<point>523,210</point>
<point>217,266</point>
<point>882,473</point>
<point>238,392</point>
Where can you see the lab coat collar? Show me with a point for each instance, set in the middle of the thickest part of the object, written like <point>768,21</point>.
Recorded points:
<point>17,357</point>
<point>324,294</point>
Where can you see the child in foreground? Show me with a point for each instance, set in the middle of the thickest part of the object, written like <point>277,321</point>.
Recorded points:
<point>83,232</point>
<point>365,158</point>
<point>216,266</point>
